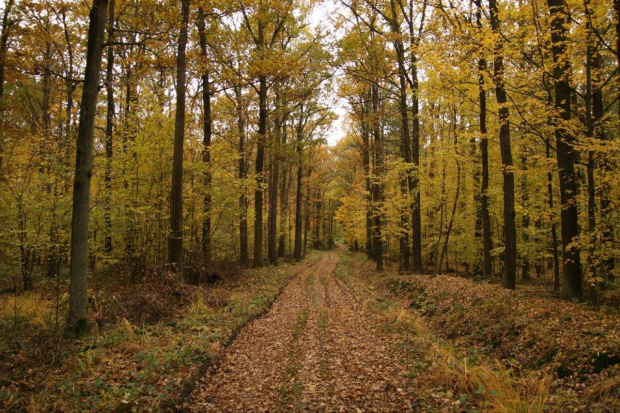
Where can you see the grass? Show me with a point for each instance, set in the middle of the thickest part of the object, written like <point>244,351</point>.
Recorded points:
<point>29,307</point>
<point>435,362</point>
<point>300,325</point>
<point>467,379</point>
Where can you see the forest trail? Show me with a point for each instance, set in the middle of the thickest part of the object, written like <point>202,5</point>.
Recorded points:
<point>315,350</point>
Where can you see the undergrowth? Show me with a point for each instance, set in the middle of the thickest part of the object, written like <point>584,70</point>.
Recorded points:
<point>131,363</point>
<point>447,379</point>
<point>471,343</point>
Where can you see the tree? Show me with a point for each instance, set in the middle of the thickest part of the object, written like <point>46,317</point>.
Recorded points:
<point>207,132</point>
<point>109,130</point>
<point>571,279</point>
<point>264,30</point>
<point>487,242</point>
<point>78,289</point>
<point>4,40</point>
<point>176,193</point>
<point>510,228</point>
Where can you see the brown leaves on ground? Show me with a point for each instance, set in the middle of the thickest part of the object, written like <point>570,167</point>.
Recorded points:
<point>148,341</point>
<point>315,350</point>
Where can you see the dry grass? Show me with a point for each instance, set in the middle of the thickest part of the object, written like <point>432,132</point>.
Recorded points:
<point>603,390</point>
<point>29,306</point>
<point>496,385</point>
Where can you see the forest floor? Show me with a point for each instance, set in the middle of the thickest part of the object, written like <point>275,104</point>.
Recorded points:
<point>326,334</point>
<point>342,337</point>
<point>315,350</point>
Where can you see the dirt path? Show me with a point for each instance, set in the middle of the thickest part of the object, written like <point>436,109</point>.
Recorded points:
<point>315,350</point>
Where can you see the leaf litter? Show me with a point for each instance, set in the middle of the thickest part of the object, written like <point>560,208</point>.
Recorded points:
<point>317,349</point>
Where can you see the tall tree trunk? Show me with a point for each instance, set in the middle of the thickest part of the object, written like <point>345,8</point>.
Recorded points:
<point>510,229</point>
<point>284,190</point>
<point>272,218</point>
<point>78,275</point>
<point>487,241</point>
<point>416,215</point>
<point>366,165</point>
<point>525,197</point>
<point>377,188</point>
<point>590,134</point>
<point>571,278</point>
<point>414,184</point>
<point>128,136</point>
<point>554,233</point>
<point>597,131</point>
<point>4,41</point>
<point>206,143</point>
<point>297,254</point>
<point>109,130</point>
<point>260,158</point>
<point>607,225</point>
<point>405,147</point>
<point>306,210</point>
<point>176,193</point>
<point>243,200</point>
<point>617,16</point>
<point>442,206</point>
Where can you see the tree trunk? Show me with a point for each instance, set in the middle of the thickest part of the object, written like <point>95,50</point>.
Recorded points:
<point>405,147</point>
<point>306,210</point>
<point>510,230</point>
<point>260,158</point>
<point>206,143</point>
<point>176,193</point>
<point>284,190</point>
<point>571,279</point>
<point>525,259</point>
<point>377,189</point>
<point>487,243</point>
<point>243,200</point>
<point>416,215</point>
<point>109,130</point>
<point>272,219</point>
<point>554,233</point>
<point>297,254</point>
<point>4,40</point>
<point>78,288</point>
<point>597,131</point>
<point>366,165</point>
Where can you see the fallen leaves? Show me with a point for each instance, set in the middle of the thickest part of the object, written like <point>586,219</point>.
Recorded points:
<point>314,351</point>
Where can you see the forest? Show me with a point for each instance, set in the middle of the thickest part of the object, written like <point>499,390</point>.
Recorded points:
<point>313,205</point>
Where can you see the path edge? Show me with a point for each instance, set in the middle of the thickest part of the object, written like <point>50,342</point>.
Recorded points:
<point>214,362</point>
